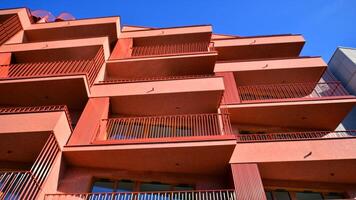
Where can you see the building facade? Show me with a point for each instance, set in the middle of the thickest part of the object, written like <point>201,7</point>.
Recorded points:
<point>343,66</point>
<point>91,109</point>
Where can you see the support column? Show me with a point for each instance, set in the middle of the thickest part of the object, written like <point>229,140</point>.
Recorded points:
<point>231,94</point>
<point>89,122</point>
<point>248,182</point>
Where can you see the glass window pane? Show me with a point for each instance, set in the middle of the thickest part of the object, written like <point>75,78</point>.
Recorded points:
<point>334,196</point>
<point>281,195</point>
<point>154,187</point>
<point>269,195</point>
<point>103,186</point>
<point>125,186</point>
<point>183,188</point>
<point>309,196</point>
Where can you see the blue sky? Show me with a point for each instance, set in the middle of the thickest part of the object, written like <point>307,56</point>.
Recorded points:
<point>325,24</point>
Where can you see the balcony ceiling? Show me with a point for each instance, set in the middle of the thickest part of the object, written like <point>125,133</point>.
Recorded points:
<point>195,157</point>
<point>274,71</point>
<point>327,171</point>
<point>199,63</point>
<point>67,90</point>
<point>21,148</point>
<point>259,47</point>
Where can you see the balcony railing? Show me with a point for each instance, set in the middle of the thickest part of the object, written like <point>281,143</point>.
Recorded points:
<point>18,185</point>
<point>90,68</point>
<point>9,27</point>
<point>36,109</point>
<point>157,78</point>
<point>165,128</point>
<point>291,136</point>
<point>167,195</point>
<point>26,185</point>
<point>293,91</point>
<point>171,49</point>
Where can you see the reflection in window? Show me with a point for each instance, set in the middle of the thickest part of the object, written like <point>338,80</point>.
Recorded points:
<point>103,186</point>
<point>269,196</point>
<point>333,195</point>
<point>281,195</point>
<point>309,196</point>
<point>125,186</point>
<point>154,187</point>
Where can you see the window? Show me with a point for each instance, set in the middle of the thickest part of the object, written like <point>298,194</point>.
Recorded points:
<point>103,185</point>
<point>106,185</point>
<point>333,195</point>
<point>281,195</point>
<point>309,196</point>
<point>154,187</point>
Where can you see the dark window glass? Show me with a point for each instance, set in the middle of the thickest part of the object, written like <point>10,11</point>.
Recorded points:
<point>183,188</point>
<point>281,195</point>
<point>269,196</point>
<point>103,186</point>
<point>125,186</point>
<point>309,196</point>
<point>154,187</point>
<point>334,196</point>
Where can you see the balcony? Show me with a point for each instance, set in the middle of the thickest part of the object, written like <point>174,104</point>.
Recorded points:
<point>18,185</point>
<point>172,128</point>
<point>172,95</point>
<point>49,81</point>
<point>9,26</point>
<point>149,53</point>
<point>273,71</point>
<point>228,194</point>
<point>68,30</point>
<point>295,106</point>
<point>259,47</point>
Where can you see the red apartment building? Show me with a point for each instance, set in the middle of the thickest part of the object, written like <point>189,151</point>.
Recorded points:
<point>91,109</point>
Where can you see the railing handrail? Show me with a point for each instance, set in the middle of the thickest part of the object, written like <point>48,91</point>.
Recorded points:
<point>286,84</point>
<point>143,192</point>
<point>164,116</point>
<point>301,135</point>
<point>88,67</point>
<point>158,78</point>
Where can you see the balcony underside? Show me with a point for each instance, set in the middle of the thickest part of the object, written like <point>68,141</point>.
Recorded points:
<point>19,150</point>
<point>299,70</point>
<point>62,90</point>
<point>195,157</point>
<point>259,47</point>
<point>317,114</point>
<point>200,95</point>
<point>161,104</point>
<point>337,175</point>
<point>178,34</point>
<point>86,28</point>
<point>170,65</point>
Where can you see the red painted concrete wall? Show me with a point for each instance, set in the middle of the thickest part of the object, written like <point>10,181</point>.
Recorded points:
<point>248,183</point>
<point>88,124</point>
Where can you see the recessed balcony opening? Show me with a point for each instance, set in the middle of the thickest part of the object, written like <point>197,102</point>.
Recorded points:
<point>259,47</point>
<point>164,126</point>
<point>18,151</point>
<point>308,179</point>
<point>25,166</point>
<point>9,26</point>
<point>159,58</point>
<point>292,106</point>
<point>122,184</point>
